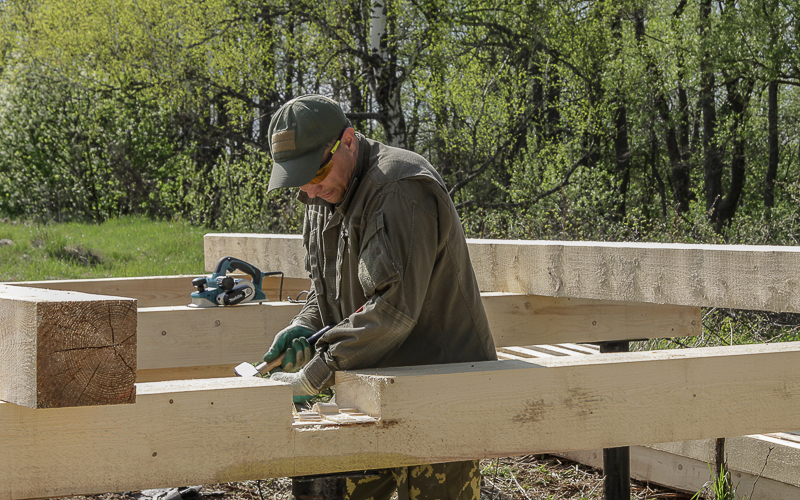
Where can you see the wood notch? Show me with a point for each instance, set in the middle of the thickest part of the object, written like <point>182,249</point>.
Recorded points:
<point>61,349</point>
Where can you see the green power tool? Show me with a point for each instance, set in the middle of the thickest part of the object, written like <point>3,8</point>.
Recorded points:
<point>219,289</point>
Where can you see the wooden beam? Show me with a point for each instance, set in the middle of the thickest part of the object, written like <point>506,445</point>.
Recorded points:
<point>62,349</point>
<point>178,337</point>
<point>506,407</point>
<point>182,337</point>
<point>732,276</point>
<point>160,291</point>
<point>766,456</point>
<point>190,372</point>
<point>177,433</point>
<point>564,403</point>
<point>689,475</point>
<point>518,320</point>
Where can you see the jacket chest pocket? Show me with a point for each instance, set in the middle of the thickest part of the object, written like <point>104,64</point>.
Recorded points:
<point>376,268</point>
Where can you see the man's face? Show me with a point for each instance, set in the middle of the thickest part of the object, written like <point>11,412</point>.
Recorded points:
<point>334,186</point>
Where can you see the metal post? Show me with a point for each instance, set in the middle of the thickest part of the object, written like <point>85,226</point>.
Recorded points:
<point>318,488</point>
<point>616,461</point>
<point>326,486</point>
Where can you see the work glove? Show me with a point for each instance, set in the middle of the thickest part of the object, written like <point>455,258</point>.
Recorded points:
<point>302,389</point>
<point>294,341</point>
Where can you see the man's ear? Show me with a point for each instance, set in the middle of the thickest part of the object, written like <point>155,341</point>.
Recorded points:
<point>349,140</point>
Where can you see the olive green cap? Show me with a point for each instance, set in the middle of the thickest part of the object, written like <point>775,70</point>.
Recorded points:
<point>299,132</point>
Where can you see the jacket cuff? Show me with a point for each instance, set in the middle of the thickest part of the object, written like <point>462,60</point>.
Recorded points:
<point>318,373</point>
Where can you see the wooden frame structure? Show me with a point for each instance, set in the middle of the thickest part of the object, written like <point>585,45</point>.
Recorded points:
<point>192,423</point>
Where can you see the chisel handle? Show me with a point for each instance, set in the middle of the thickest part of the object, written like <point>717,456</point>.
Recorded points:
<point>265,367</point>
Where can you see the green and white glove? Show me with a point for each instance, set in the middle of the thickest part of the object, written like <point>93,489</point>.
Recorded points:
<point>302,390</point>
<point>294,341</point>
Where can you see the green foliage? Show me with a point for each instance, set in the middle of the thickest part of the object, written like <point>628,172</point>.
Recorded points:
<point>719,487</point>
<point>70,153</point>
<point>128,246</point>
<point>558,119</point>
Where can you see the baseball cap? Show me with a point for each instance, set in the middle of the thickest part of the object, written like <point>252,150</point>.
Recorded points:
<point>299,132</point>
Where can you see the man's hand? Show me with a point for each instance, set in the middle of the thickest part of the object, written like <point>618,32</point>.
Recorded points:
<point>302,390</point>
<point>293,340</point>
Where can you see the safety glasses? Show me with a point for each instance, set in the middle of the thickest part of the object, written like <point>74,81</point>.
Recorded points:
<point>327,163</point>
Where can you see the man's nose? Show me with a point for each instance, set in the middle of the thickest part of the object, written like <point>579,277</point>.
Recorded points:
<point>312,190</point>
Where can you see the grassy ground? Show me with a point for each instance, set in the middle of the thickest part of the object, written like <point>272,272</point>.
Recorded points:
<point>118,248</point>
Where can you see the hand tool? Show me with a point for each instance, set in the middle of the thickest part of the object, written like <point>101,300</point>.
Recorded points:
<point>248,370</point>
<point>219,289</point>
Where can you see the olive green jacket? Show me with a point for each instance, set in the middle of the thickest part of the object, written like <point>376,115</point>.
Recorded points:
<point>389,266</point>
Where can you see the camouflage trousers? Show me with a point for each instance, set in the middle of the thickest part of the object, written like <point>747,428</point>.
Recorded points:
<point>449,481</point>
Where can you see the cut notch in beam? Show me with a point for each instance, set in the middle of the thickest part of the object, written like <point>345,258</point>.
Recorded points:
<point>61,349</point>
<point>566,403</point>
<point>511,408</point>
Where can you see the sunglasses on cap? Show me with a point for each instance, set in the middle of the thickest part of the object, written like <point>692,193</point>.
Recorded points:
<point>327,163</point>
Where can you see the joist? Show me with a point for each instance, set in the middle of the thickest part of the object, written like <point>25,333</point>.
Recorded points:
<point>178,337</point>
<point>769,456</point>
<point>730,276</point>
<point>518,320</point>
<point>232,429</point>
<point>689,475</point>
<point>62,349</point>
<point>211,339</point>
<point>159,291</point>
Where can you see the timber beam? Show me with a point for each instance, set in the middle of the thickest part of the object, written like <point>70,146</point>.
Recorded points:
<point>62,349</point>
<point>764,278</point>
<point>160,291</point>
<point>185,342</point>
<point>233,429</point>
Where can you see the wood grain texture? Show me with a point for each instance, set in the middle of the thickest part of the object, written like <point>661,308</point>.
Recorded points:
<point>565,403</point>
<point>176,337</point>
<point>186,373</point>
<point>512,408</point>
<point>732,276</point>
<point>160,291</point>
<point>689,475</point>
<point>61,349</point>
<point>182,337</point>
<point>274,252</point>
<point>767,456</point>
<point>177,433</point>
<point>518,320</point>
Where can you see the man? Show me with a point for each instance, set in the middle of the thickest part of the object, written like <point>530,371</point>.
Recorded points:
<point>389,266</point>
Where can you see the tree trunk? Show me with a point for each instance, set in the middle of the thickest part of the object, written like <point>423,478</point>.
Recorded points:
<point>712,159</point>
<point>622,152</point>
<point>772,140</point>
<point>680,172</point>
<point>384,75</point>
<point>738,101</point>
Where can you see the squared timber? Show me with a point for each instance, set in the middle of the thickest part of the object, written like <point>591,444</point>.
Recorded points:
<point>564,403</point>
<point>234,429</point>
<point>183,342</point>
<point>160,291</point>
<point>763,278</point>
<point>62,349</point>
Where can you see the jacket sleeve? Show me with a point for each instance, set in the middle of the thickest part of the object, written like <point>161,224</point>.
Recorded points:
<point>396,257</point>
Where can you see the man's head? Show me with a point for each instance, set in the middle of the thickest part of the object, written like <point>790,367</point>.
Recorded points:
<point>302,134</point>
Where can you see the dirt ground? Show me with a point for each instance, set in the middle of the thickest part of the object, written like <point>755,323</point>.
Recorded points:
<point>537,477</point>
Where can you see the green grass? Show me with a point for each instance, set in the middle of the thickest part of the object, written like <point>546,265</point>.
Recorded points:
<point>117,248</point>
